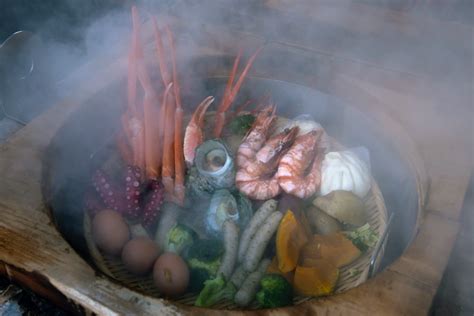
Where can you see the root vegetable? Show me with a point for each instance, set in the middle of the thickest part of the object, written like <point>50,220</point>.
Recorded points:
<point>289,241</point>
<point>317,280</point>
<point>344,206</point>
<point>260,241</point>
<point>258,218</point>
<point>321,222</point>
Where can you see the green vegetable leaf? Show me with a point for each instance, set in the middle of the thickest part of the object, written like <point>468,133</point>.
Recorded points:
<point>179,238</point>
<point>241,124</point>
<point>214,291</point>
<point>363,237</point>
<point>203,259</point>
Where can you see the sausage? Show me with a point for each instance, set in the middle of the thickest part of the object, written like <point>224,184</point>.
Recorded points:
<point>248,290</point>
<point>231,243</point>
<point>239,276</point>
<point>258,218</point>
<point>260,240</point>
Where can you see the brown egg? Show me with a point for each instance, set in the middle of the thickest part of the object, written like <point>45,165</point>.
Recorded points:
<point>139,254</point>
<point>171,274</point>
<point>110,231</point>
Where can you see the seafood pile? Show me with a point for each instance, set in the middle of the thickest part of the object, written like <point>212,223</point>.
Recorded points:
<point>259,210</point>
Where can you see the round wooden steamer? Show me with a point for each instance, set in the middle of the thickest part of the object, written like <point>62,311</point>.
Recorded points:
<point>350,276</point>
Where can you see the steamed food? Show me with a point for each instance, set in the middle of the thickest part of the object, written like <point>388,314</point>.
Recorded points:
<point>344,206</point>
<point>321,222</point>
<point>110,231</point>
<point>139,255</point>
<point>343,170</point>
<point>171,274</point>
<point>247,207</point>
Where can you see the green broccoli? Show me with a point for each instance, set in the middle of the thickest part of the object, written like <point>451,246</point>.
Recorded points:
<point>241,124</point>
<point>275,291</point>
<point>203,259</point>
<point>215,290</point>
<point>363,237</point>
<point>179,238</point>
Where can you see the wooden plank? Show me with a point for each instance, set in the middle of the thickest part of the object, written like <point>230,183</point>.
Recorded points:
<point>427,257</point>
<point>28,239</point>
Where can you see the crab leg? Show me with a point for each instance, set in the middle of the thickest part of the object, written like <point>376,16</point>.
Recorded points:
<point>151,125</point>
<point>176,85</point>
<point>129,154</point>
<point>132,126</point>
<point>231,92</point>
<point>168,156</point>
<point>165,76</point>
<point>194,135</point>
<point>132,70</point>
<point>179,156</point>
<point>178,127</point>
<point>224,105</point>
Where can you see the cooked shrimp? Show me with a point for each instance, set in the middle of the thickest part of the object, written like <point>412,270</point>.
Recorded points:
<point>256,137</point>
<point>258,160</point>
<point>299,169</point>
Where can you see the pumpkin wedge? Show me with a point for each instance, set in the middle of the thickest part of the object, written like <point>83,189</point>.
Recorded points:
<point>335,247</point>
<point>273,269</point>
<point>317,280</point>
<point>290,239</point>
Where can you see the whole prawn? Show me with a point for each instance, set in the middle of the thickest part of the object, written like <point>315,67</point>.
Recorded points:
<point>256,137</point>
<point>257,159</point>
<point>299,169</point>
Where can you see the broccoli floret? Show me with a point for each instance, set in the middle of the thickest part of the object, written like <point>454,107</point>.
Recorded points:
<point>204,259</point>
<point>275,291</point>
<point>206,249</point>
<point>179,238</point>
<point>241,124</point>
<point>363,237</point>
<point>215,290</point>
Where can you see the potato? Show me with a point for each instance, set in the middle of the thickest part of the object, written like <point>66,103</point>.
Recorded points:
<point>344,206</point>
<point>171,274</point>
<point>321,222</point>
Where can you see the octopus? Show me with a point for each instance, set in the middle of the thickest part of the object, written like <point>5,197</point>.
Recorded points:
<point>133,197</point>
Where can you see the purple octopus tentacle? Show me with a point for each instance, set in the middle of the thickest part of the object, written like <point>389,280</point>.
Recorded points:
<point>109,193</point>
<point>153,204</point>
<point>92,204</point>
<point>133,186</point>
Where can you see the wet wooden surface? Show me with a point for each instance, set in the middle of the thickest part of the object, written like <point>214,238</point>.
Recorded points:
<point>413,102</point>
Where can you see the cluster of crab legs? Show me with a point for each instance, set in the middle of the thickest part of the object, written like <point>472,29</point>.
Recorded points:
<point>152,138</point>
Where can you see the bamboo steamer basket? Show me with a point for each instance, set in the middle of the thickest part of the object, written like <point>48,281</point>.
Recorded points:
<point>350,276</point>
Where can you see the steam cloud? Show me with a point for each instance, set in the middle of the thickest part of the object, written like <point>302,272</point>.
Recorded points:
<point>71,39</point>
